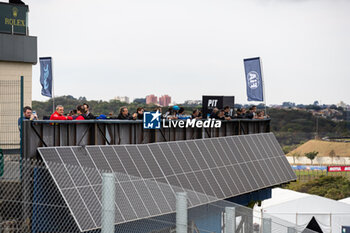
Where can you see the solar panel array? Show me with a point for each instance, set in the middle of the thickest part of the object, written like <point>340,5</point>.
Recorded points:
<point>148,175</point>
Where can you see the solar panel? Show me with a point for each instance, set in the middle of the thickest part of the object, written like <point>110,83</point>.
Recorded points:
<point>148,176</point>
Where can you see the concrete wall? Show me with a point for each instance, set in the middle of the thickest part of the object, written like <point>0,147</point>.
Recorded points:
<point>320,160</point>
<point>17,48</point>
<point>10,73</point>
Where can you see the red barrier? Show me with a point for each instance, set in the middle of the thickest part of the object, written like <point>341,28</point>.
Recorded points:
<point>338,168</point>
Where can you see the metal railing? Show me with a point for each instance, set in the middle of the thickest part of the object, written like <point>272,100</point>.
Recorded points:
<point>115,132</point>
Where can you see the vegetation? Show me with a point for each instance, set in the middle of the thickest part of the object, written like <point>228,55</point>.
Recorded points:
<point>97,107</point>
<point>332,155</point>
<point>295,155</point>
<point>311,155</point>
<point>294,127</point>
<point>333,187</point>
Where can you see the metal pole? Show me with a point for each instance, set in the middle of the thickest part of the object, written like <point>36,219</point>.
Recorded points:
<point>25,167</point>
<point>108,207</point>
<point>267,225</point>
<point>21,124</point>
<point>181,212</point>
<point>263,83</point>
<point>53,93</point>
<point>230,220</point>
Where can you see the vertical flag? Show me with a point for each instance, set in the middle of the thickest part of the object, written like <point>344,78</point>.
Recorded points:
<point>46,76</point>
<point>255,90</point>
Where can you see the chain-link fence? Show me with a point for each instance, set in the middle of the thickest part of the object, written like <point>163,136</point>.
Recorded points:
<point>31,202</point>
<point>10,103</point>
<point>308,175</point>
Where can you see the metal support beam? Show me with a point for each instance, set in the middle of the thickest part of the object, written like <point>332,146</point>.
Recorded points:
<point>230,220</point>
<point>267,225</point>
<point>181,212</point>
<point>108,207</point>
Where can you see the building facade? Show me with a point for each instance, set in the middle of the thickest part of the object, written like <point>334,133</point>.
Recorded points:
<point>164,100</point>
<point>18,53</point>
<point>124,99</point>
<point>151,99</point>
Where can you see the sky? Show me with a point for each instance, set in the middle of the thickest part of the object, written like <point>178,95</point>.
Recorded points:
<point>190,48</point>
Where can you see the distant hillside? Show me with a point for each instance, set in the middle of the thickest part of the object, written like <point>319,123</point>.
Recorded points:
<point>324,148</point>
<point>294,127</point>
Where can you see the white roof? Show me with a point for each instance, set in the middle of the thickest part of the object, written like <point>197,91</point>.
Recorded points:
<point>345,200</point>
<point>309,204</point>
<point>298,208</point>
<point>280,195</point>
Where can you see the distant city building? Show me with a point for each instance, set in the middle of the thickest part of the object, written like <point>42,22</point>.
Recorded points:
<point>151,99</point>
<point>288,104</point>
<point>341,104</point>
<point>124,99</point>
<point>193,102</point>
<point>140,100</point>
<point>164,100</point>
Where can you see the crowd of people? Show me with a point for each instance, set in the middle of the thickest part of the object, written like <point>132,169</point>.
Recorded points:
<point>82,112</point>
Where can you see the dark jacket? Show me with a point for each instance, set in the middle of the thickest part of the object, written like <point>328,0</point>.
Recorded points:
<point>214,115</point>
<point>249,115</point>
<point>139,116</point>
<point>240,116</point>
<point>122,117</point>
<point>89,116</point>
<point>227,114</point>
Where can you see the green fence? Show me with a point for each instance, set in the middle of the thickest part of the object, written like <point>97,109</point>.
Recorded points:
<point>1,163</point>
<point>307,175</point>
<point>10,110</point>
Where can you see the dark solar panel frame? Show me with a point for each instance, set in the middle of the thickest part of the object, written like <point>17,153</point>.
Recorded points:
<point>148,175</point>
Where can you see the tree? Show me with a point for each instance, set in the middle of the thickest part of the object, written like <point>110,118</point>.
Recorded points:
<point>332,155</point>
<point>311,155</point>
<point>295,155</point>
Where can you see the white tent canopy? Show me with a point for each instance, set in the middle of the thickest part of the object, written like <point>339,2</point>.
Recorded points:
<point>299,208</point>
<point>345,200</point>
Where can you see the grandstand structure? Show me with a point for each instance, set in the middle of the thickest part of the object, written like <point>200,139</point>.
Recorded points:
<point>56,184</point>
<point>238,163</point>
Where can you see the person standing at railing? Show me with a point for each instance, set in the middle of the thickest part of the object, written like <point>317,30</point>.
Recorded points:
<point>171,113</point>
<point>214,113</point>
<point>261,115</point>
<point>181,114</point>
<point>251,113</point>
<point>227,112</point>
<point>28,114</point>
<point>124,114</point>
<point>88,115</point>
<point>196,114</point>
<point>80,113</point>
<point>138,115</point>
<point>58,114</point>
